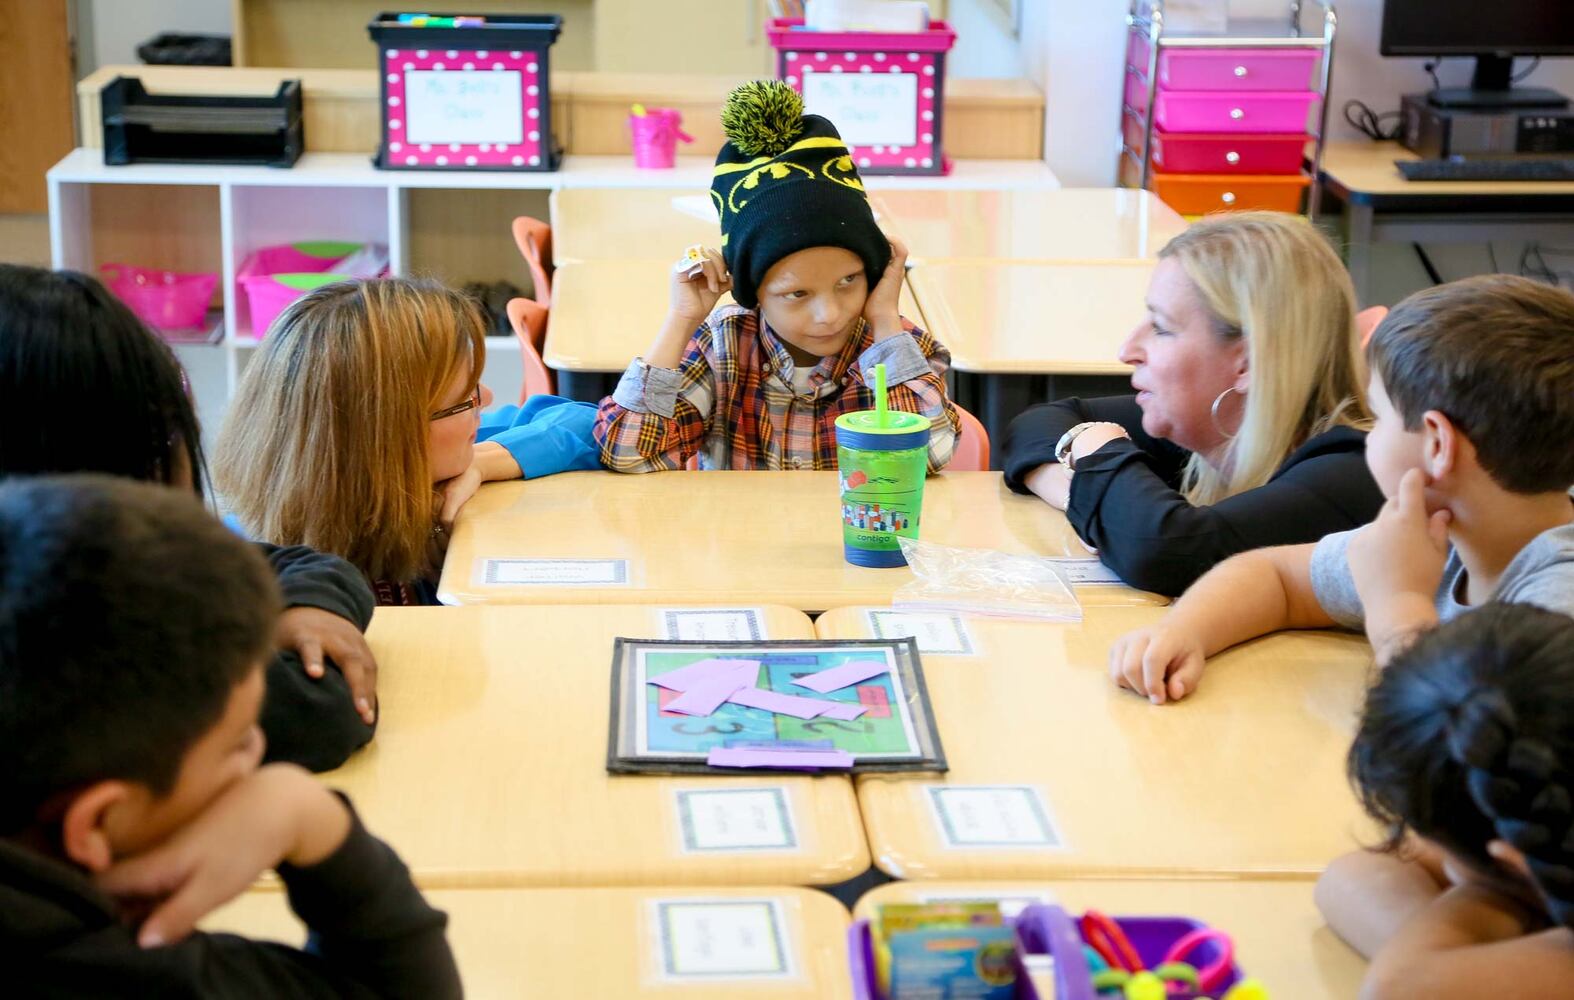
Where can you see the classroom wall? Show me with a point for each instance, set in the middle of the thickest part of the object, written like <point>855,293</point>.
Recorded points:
<point>109,31</point>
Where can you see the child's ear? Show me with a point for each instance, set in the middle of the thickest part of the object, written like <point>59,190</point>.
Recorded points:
<point>1442,445</point>
<point>84,831</point>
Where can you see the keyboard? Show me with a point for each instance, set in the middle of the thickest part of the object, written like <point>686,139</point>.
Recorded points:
<point>1523,169</point>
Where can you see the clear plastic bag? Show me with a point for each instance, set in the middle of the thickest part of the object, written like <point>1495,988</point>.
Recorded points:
<point>984,582</point>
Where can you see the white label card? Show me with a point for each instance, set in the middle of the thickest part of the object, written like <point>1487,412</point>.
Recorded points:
<point>713,624</point>
<point>1012,901</point>
<point>736,819</point>
<point>969,816</point>
<point>936,633</point>
<point>463,107</point>
<point>1087,572</point>
<point>869,109</point>
<point>716,939</point>
<point>556,572</point>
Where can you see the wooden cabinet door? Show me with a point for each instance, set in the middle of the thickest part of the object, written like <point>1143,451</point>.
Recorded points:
<point>35,99</point>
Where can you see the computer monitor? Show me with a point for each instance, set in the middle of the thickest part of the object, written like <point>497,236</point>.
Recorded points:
<point>1494,32</point>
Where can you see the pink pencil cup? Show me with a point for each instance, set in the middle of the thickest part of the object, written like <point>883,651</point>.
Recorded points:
<point>656,134</point>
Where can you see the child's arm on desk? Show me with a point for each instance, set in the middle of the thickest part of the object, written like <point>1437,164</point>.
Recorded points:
<point>1245,596</point>
<point>915,362</point>
<point>1470,942</point>
<point>657,417</point>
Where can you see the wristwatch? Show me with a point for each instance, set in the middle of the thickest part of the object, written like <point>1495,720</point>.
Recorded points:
<point>1063,446</point>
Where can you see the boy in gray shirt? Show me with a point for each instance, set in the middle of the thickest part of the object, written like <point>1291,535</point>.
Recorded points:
<point>1472,393</point>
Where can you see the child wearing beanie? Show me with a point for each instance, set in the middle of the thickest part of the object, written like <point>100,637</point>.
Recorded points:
<point>759,384</point>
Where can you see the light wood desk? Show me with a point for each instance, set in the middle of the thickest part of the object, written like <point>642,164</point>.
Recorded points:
<point>590,942</point>
<point>729,537</point>
<point>489,765</point>
<point>630,223</point>
<point>1380,205</point>
<point>1065,224</point>
<point>1280,938</point>
<point>1245,777</point>
<point>1011,317</point>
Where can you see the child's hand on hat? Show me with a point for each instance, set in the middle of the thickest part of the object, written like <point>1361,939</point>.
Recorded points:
<point>698,280</point>
<point>882,310</point>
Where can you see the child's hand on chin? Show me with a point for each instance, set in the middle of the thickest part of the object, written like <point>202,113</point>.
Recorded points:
<point>692,299</point>
<point>1397,564</point>
<point>882,308</point>
<point>277,814</point>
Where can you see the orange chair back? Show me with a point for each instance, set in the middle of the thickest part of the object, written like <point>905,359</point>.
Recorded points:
<point>534,239</point>
<point>1366,321</point>
<point>972,445</point>
<point>529,321</point>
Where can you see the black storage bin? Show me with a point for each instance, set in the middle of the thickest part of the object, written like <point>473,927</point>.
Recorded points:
<point>140,127</point>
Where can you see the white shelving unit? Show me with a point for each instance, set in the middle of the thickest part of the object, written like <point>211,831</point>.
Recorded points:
<point>342,196</point>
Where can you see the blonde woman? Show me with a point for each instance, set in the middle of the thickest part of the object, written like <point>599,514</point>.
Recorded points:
<point>1248,425</point>
<point>354,430</point>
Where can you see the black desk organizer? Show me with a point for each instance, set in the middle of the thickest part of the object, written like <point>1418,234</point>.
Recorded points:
<point>140,127</point>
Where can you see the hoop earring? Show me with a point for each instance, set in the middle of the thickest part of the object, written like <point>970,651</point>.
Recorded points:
<point>1213,412</point>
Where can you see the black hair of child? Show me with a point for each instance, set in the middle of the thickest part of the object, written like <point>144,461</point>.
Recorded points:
<point>128,615</point>
<point>1468,737</point>
<point>84,385</point>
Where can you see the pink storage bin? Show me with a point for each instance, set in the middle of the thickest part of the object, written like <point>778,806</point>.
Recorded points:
<point>919,55</point>
<point>164,300</point>
<point>1243,112</point>
<point>275,276</point>
<point>1227,154</point>
<point>656,135</point>
<point>1237,69</point>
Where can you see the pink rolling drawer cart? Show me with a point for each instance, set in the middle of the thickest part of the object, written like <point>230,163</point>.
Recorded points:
<point>1225,122</point>
<point>885,92</point>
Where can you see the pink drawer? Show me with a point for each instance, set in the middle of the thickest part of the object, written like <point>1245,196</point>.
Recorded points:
<point>1241,112</point>
<point>1237,69</point>
<point>1192,153</point>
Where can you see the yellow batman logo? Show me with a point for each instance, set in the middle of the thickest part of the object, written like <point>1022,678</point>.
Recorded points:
<point>775,170</point>
<point>840,170</point>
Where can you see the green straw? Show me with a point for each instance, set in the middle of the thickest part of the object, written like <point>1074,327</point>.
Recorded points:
<point>880,418</point>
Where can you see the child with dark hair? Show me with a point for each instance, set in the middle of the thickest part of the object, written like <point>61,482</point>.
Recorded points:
<point>1472,391</point>
<point>1466,753</point>
<point>133,633</point>
<point>759,383</point>
<point>85,387</point>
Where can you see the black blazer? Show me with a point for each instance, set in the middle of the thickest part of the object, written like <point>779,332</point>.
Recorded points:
<point>1125,500</point>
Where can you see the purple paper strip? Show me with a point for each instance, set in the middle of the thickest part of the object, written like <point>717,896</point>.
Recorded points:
<point>845,675</point>
<point>705,696</point>
<point>844,711</point>
<point>781,704</point>
<point>684,678</point>
<point>730,757</point>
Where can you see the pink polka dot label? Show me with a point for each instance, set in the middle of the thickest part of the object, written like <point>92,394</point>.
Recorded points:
<point>466,92</point>
<point>883,92</point>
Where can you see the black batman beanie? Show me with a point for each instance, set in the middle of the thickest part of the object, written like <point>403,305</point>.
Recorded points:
<point>785,182</point>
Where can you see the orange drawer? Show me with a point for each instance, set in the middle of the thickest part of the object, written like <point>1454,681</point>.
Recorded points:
<point>1198,194</point>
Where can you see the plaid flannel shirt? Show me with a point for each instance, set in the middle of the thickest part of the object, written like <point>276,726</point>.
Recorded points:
<point>732,403</point>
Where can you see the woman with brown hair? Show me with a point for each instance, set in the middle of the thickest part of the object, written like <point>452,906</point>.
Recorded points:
<point>354,430</point>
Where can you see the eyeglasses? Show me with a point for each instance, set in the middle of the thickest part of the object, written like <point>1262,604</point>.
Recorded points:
<point>469,404</point>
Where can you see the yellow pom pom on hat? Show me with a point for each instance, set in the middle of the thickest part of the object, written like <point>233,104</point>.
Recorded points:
<point>784,182</point>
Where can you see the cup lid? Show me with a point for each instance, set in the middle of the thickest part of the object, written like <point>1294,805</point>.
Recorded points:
<point>896,422</point>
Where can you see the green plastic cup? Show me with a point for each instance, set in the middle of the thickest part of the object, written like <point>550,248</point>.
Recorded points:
<point>882,458</point>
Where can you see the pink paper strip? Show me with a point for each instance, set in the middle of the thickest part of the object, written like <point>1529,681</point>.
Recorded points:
<point>845,675</point>
<point>684,678</point>
<point>781,704</point>
<point>734,757</point>
<point>705,696</point>
<point>844,711</point>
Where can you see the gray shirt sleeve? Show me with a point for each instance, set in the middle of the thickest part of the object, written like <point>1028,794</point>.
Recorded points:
<point>1543,573</point>
<point>1332,583</point>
